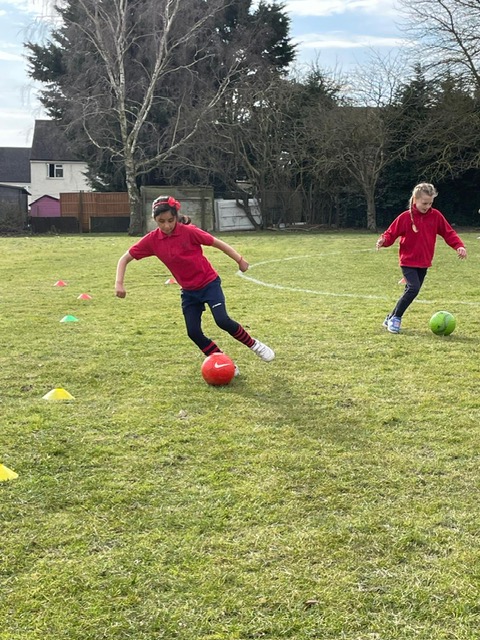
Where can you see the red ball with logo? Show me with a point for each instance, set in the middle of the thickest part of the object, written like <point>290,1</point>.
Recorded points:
<point>218,369</point>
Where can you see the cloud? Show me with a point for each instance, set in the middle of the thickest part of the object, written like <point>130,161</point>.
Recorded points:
<point>18,133</point>
<point>10,45</point>
<point>5,55</point>
<point>331,7</point>
<point>21,114</point>
<point>37,7</point>
<point>10,52</point>
<point>343,40</point>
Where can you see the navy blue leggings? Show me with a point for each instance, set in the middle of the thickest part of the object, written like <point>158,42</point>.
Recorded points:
<point>193,306</point>
<point>414,277</point>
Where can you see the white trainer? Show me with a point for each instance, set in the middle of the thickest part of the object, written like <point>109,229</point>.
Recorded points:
<point>237,371</point>
<point>262,351</point>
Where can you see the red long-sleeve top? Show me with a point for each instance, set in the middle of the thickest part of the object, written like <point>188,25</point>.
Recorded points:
<point>417,249</point>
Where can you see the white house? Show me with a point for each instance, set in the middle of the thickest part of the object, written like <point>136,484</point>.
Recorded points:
<point>54,166</point>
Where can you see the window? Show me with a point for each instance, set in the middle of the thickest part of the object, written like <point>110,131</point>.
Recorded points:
<point>54,170</point>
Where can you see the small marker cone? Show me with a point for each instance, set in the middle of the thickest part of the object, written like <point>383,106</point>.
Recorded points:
<point>60,283</point>
<point>84,296</point>
<point>69,319</point>
<point>7,474</point>
<point>171,281</point>
<point>58,394</point>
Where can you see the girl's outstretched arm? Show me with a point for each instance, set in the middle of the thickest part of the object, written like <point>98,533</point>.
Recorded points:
<point>231,253</point>
<point>121,268</point>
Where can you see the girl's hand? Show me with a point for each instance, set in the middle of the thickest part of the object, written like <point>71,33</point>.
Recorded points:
<point>243,265</point>
<point>380,242</point>
<point>462,253</point>
<point>120,291</point>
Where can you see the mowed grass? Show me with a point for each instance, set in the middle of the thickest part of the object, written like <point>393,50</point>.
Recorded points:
<point>330,494</point>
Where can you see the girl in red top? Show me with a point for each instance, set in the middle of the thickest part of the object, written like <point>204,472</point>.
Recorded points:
<point>417,229</point>
<point>178,244</point>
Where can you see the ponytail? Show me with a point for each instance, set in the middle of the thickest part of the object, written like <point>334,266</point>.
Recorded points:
<point>410,208</point>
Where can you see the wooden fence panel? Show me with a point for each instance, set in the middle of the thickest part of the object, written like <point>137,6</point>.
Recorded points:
<point>85,205</point>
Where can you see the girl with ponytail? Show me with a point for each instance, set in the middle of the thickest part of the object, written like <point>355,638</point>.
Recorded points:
<point>417,228</point>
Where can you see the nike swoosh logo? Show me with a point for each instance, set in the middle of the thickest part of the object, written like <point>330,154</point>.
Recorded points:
<point>219,366</point>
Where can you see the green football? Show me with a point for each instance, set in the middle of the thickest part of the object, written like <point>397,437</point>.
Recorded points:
<point>442,323</point>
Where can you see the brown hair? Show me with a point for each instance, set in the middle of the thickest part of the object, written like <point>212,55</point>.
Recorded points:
<point>167,203</point>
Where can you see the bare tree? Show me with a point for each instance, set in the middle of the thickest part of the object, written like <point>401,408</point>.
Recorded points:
<point>247,148</point>
<point>448,140</point>
<point>448,34</point>
<point>115,81</point>
<point>358,138</point>
<point>263,154</point>
<point>112,36</point>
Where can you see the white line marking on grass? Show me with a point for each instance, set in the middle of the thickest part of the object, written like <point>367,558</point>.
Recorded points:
<point>314,291</point>
<point>330,293</point>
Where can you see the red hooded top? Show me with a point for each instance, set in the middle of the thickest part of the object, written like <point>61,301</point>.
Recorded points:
<point>417,249</point>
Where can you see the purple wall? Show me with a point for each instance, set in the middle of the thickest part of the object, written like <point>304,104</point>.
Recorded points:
<point>45,207</point>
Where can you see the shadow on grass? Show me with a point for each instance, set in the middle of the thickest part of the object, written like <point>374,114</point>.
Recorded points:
<point>428,335</point>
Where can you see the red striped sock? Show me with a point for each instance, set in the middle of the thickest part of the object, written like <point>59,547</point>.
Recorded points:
<point>211,348</point>
<point>244,337</point>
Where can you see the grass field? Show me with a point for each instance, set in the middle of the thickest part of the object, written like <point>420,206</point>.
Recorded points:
<point>331,494</point>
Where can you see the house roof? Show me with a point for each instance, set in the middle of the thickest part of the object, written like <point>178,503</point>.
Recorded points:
<point>15,164</point>
<point>10,187</point>
<point>50,143</point>
<point>44,197</point>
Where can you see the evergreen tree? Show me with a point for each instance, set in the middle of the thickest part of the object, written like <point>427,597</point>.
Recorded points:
<point>410,114</point>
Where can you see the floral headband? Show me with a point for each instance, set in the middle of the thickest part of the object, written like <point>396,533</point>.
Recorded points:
<point>169,202</point>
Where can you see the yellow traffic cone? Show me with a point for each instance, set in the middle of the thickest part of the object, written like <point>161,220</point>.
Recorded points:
<point>58,394</point>
<point>7,474</point>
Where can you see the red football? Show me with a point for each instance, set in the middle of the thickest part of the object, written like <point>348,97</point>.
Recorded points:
<point>218,369</point>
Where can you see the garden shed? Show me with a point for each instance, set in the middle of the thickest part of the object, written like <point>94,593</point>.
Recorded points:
<point>13,208</point>
<point>45,207</point>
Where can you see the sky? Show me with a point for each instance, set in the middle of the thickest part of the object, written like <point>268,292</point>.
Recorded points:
<point>336,34</point>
